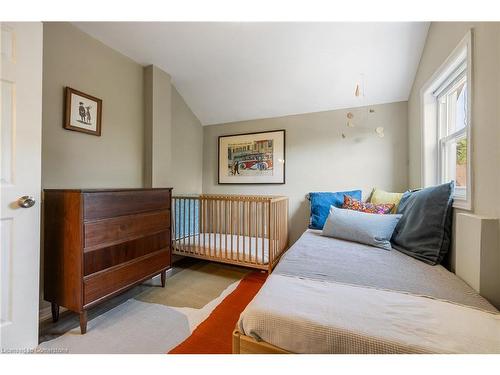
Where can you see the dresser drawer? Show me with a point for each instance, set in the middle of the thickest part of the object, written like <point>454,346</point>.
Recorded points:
<point>108,232</point>
<point>107,257</point>
<point>116,279</point>
<point>101,205</point>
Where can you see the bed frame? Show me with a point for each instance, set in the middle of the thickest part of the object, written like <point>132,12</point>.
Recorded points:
<point>244,230</point>
<point>243,344</point>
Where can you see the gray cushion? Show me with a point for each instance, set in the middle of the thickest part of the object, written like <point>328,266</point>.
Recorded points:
<point>370,229</point>
<point>424,231</point>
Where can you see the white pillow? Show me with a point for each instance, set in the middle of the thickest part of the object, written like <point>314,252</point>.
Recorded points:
<point>369,229</point>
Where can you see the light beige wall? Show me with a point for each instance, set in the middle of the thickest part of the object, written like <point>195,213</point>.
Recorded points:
<point>318,159</point>
<point>72,159</point>
<point>123,155</point>
<point>157,128</point>
<point>187,148</point>
<point>442,38</point>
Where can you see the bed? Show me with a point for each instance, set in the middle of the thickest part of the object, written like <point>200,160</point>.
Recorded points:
<point>333,296</point>
<point>246,230</point>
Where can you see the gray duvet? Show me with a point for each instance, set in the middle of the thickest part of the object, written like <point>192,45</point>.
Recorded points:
<point>332,296</point>
<point>323,258</point>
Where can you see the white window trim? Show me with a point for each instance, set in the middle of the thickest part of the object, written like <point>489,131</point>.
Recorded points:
<point>430,171</point>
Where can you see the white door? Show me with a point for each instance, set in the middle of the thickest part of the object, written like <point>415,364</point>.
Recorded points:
<point>20,153</point>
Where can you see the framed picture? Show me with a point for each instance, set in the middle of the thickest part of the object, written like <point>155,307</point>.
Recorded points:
<point>252,158</point>
<point>82,112</point>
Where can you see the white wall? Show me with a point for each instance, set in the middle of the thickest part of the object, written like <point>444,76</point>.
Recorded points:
<point>76,160</point>
<point>187,148</point>
<point>122,156</point>
<point>442,38</point>
<point>318,159</point>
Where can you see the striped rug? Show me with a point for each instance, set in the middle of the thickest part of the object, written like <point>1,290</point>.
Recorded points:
<point>152,319</point>
<point>214,335</point>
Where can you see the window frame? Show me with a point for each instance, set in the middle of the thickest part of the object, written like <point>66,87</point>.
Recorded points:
<point>456,66</point>
<point>458,77</point>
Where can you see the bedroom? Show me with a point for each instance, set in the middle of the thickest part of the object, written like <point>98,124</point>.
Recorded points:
<point>215,187</point>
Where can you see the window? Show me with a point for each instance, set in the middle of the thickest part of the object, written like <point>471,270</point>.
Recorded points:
<point>446,107</point>
<point>452,123</point>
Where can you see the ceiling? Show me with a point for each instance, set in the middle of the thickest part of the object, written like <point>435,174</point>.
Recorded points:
<point>240,71</point>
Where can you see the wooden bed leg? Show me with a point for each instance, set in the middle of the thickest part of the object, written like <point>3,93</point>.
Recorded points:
<point>163,278</point>
<point>236,342</point>
<point>83,322</point>
<point>55,311</point>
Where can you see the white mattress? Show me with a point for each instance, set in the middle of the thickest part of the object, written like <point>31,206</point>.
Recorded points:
<point>244,248</point>
<point>334,296</point>
<point>312,316</point>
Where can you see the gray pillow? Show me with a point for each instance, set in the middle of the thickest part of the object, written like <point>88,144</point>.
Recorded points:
<point>424,231</point>
<point>370,229</point>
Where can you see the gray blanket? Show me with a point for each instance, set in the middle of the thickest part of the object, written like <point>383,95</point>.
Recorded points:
<point>323,258</point>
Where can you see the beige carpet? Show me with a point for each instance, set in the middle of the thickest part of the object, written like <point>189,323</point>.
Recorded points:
<point>154,319</point>
<point>195,286</point>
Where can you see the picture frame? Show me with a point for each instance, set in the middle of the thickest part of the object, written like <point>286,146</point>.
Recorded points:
<point>82,112</point>
<point>252,158</point>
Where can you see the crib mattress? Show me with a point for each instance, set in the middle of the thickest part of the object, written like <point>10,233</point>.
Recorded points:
<point>244,248</point>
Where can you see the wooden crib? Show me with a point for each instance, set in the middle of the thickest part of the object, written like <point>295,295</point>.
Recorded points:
<point>246,230</point>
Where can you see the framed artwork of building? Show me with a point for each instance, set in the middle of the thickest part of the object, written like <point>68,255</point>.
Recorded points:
<point>252,158</point>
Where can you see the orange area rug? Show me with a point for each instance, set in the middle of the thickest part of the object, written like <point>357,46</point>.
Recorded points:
<point>214,335</point>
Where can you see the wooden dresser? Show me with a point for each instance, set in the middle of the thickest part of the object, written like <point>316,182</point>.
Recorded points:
<point>98,243</point>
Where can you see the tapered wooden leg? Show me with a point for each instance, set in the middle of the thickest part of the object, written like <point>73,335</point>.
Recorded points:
<point>163,278</point>
<point>83,322</point>
<point>55,311</point>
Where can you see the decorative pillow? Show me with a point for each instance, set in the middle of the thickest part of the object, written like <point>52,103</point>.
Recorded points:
<point>380,196</point>
<point>369,208</point>
<point>424,231</point>
<point>375,230</point>
<point>321,202</point>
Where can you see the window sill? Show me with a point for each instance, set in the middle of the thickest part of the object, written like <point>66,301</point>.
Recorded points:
<point>462,204</point>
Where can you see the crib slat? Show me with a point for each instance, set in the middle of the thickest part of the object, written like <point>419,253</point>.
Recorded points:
<point>256,232</point>
<point>262,233</point>
<point>243,229</point>
<point>197,246</point>
<point>238,223</point>
<point>189,225</point>
<point>184,224</point>
<point>247,256</point>
<point>204,226</point>
<point>226,213</point>
<point>212,227</point>
<point>249,231</point>
<point>275,236</point>
<point>174,227</point>
<point>268,234</point>
<point>209,227</point>
<point>219,220</point>
<point>231,226</point>
<point>279,227</point>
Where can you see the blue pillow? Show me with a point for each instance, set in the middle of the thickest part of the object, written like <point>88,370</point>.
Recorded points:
<point>321,202</point>
<point>370,229</point>
<point>424,231</point>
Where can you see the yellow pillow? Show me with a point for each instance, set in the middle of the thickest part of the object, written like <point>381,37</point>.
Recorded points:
<point>381,197</point>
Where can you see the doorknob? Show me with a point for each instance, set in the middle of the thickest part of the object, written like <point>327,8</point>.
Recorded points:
<point>26,201</point>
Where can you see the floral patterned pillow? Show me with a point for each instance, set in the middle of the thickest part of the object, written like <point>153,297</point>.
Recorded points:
<point>370,208</point>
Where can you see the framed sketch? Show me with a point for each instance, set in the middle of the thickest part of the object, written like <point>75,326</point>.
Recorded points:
<point>252,158</point>
<point>82,112</point>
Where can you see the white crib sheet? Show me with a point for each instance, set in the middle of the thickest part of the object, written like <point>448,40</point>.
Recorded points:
<point>244,248</point>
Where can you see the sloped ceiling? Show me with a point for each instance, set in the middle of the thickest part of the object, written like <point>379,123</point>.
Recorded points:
<point>240,71</point>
